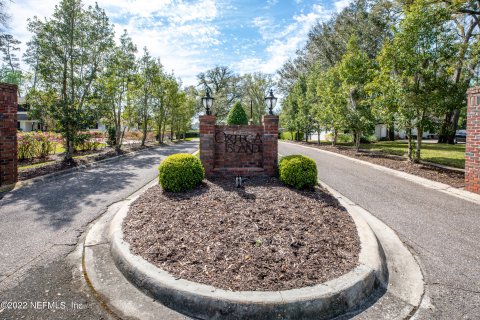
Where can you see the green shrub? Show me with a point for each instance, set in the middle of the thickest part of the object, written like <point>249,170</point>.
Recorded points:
<point>237,115</point>
<point>368,139</point>
<point>180,172</point>
<point>287,135</point>
<point>298,171</point>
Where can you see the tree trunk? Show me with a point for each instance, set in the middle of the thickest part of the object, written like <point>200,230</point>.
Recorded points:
<point>419,143</point>
<point>410,146</point>
<point>453,126</point>
<point>318,134</point>
<point>391,132</point>
<point>335,136</point>
<point>144,137</point>
<point>358,135</point>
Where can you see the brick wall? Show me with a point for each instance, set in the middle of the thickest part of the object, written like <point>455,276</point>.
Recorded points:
<point>239,150</point>
<point>8,134</point>
<point>472,152</point>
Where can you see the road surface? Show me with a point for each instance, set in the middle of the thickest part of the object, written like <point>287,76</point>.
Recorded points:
<point>42,224</point>
<point>444,231</point>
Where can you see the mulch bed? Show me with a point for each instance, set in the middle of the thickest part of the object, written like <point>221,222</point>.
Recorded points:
<point>451,177</point>
<point>58,164</point>
<point>263,237</point>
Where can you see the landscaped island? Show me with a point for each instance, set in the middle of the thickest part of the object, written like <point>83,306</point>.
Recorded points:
<point>263,237</point>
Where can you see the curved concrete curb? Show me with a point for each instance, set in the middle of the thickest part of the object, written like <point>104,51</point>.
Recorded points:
<point>322,301</point>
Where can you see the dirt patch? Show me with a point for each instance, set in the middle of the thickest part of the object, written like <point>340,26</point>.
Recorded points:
<point>263,237</point>
<point>451,177</point>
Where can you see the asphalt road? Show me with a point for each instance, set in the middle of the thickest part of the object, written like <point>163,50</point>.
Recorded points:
<point>41,224</point>
<point>442,230</point>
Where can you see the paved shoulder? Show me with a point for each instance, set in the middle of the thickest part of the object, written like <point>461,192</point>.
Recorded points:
<point>444,231</point>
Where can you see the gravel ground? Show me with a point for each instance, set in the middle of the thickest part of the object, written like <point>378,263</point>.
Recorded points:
<point>453,178</point>
<point>263,237</point>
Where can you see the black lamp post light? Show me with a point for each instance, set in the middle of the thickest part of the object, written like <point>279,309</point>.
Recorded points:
<point>207,101</point>
<point>271,101</point>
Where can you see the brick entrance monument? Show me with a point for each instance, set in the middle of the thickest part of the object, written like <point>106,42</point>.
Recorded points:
<point>8,134</point>
<point>472,152</point>
<point>239,150</point>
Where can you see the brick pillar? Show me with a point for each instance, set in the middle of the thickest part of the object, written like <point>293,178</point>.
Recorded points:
<point>472,150</point>
<point>270,144</point>
<point>207,143</point>
<point>8,134</point>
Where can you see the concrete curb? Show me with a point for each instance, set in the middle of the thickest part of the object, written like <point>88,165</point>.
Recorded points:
<point>322,301</point>
<point>445,188</point>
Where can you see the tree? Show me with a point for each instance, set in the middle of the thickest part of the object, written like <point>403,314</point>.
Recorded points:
<point>237,115</point>
<point>355,72</point>
<point>224,84</point>
<point>253,88</point>
<point>415,70</point>
<point>116,83</point>
<point>143,91</point>
<point>69,51</point>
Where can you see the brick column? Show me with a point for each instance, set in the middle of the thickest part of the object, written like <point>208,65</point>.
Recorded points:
<point>472,150</point>
<point>270,144</point>
<point>207,143</point>
<point>8,134</point>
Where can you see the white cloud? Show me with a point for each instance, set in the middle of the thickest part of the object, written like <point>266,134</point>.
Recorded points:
<point>180,32</point>
<point>284,41</point>
<point>341,4</point>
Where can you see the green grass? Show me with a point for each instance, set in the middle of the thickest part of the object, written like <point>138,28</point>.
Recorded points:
<point>445,154</point>
<point>34,165</point>
<point>192,139</point>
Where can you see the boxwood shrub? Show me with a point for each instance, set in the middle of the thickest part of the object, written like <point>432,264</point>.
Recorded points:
<point>180,172</point>
<point>298,171</point>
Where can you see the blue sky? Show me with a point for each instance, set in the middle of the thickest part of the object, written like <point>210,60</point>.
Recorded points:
<point>191,36</point>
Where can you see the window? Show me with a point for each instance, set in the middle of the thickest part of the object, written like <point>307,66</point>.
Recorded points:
<point>18,125</point>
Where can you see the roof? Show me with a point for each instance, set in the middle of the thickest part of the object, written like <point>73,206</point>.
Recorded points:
<point>22,117</point>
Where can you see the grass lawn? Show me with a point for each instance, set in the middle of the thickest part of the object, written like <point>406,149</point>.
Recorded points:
<point>444,154</point>
<point>34,165</point>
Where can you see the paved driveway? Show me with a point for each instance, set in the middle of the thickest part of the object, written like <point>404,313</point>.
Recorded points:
<point>41,224</point>
<point>444,231</point>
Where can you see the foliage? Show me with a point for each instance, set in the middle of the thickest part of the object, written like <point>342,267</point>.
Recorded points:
<point>37,144</point>
<point>252,88</point>
<point>224,84</point>
<point>298,171</point>
<point>180,172</point>
<point>89,140</point>
<point>67,53</point>
<point>237,115</point>
<point>287,135</point>
<point>111,136</point>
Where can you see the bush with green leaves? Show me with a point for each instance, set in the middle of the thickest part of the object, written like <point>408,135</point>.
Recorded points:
<point>298,171</point>
<point>237,115</point>
<point>180,172</point>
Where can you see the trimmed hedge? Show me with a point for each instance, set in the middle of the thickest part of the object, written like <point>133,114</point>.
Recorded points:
<point>237,115</point>
<point>180,172</point>
<point>298,171</point>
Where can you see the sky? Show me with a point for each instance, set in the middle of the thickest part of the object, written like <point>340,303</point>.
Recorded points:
<point>192,36</point>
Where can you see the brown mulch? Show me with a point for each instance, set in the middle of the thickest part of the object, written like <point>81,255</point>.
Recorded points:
<point>57,164</point>
<point>263,237</point>
<point>453,178</point>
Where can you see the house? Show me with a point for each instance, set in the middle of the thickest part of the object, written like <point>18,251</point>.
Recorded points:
<point>23,122</point>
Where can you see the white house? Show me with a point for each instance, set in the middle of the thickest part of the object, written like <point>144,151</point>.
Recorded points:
<point>23,123</point>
